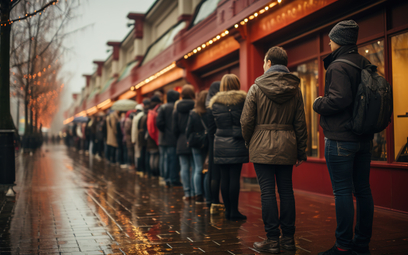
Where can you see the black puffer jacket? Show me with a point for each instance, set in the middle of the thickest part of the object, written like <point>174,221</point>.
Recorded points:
<point>336,107</point>
<point>164,120</point>
<point>181,112</point>
<point>195,125</point>
<point>224,122</point>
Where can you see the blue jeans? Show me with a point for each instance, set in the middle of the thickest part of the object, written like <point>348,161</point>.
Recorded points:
<point>198,171</point>
<point>186,161</point>
<point>171,174</point>
<point>270,215</point>
<point>349,169</point>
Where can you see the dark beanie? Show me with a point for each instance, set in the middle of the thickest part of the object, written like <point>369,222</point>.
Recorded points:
<point>156,99</point>
<point>344,33</point>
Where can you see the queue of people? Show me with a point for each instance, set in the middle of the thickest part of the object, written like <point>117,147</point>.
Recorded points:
<point>200,142</point>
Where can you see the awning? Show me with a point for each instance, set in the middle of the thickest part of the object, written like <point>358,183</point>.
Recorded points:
<point>107,84</point>
<point>163,42</point>
<point>128,68</point>
<point>206,9</point>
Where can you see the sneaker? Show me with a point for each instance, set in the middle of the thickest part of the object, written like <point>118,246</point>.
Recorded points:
<point>199,200</point>
<point>288,243</point>
<point>268,245</point>
<point>335,251</point>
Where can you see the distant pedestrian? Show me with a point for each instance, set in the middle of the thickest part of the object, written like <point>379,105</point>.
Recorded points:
<point>167,140</point>
<point>197,128</point>
<point>143,165</point>
<point>348,155</point>
<point>135,132</point>
<point>152,135</point>
<point>128,139</point>
<point>181,112</point>
<point>112,141</point>
<point>229,145</point>
<point>274,128</point>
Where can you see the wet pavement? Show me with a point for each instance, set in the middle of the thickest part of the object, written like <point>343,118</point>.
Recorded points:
<point>69,204</point>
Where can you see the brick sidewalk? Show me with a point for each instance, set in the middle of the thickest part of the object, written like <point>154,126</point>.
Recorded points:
<point>67,204</point>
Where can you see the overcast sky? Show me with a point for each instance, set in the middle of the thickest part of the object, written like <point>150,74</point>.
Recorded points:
<point>106,21</point>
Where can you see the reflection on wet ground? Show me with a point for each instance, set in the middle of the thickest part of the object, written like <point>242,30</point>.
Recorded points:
<point>69,204</point>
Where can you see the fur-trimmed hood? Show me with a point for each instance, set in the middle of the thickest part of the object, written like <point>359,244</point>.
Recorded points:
<point>232,97</point>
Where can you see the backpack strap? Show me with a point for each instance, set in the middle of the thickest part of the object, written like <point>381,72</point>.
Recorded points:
<point>202,122</point>
<point>347,62</point>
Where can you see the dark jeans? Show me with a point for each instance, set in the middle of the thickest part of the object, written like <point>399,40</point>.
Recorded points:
<point>171,171</point>
<point>131,154</point>
<point>230,185</point>
<point>111,151</point>
<point>349,169</point>
<point>141,161</point>
<point>122,153</point>
<point>266,178</point>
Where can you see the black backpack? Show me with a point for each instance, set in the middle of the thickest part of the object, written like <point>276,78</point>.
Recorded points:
<point>373,103</point>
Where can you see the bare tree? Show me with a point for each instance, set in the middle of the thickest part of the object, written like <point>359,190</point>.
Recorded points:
<point>36,53</point>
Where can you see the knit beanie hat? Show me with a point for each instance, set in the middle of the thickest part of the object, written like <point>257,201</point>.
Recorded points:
<point>344,33</point>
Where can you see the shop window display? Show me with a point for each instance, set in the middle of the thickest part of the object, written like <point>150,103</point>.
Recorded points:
<point>374,52</point>
<point>308,74</point>
<point>399,56</point>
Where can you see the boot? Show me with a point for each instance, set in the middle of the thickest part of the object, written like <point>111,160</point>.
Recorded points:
<point>268,245</point>
<point>288,243</point>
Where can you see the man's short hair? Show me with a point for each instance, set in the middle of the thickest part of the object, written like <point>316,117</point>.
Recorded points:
<point>277,56</point>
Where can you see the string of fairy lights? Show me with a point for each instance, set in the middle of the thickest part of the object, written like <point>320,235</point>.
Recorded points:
<point>29,15</point>
<point>196,50</point>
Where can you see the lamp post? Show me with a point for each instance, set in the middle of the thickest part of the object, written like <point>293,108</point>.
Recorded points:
<point>7,128</point>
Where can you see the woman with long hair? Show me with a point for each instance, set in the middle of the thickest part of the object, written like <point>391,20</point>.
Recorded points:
<point>197,124</point>
<point>229,145</point>
<point>181,112</point>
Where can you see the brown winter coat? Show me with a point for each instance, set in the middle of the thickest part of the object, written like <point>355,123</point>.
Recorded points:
<point>111,121</point>
<point>273,120</point>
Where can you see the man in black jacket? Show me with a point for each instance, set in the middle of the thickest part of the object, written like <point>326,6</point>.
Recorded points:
<point>348,155</point>
<point>167,140</point>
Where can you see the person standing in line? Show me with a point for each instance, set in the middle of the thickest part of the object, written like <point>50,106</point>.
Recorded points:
<point>111,140</point>
<point>135,131</point>
<point>229,145</point>
<point>141,140</point>
<point>214,175</point>
<point>128,139</point>
<point>274,128</point>
<point>99,138</point>
<point>198,123</point>
<point>152,148</point>
<point>181,111</point>
<point>167,140</point>
<point>347,154</point>
<point>122,154</point>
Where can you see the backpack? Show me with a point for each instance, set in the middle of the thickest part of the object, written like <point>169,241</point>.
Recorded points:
<point>151,124</point>
<point>373,103</point>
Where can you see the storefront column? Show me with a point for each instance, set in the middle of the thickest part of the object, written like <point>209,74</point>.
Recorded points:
<point>250,67</point>
<point>139,96</point>
<point>250,62</point>
<point>190,77</point>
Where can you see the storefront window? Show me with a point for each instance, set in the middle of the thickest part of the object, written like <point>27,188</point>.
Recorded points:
<point>375,54</point>
<point>308,74</point>
<point>399,55</point>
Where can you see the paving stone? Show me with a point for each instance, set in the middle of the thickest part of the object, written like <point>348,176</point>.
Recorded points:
<point>67,204</point>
